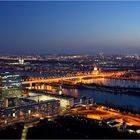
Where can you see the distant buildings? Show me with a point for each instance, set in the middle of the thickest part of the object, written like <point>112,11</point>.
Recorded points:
<point>21,61</point>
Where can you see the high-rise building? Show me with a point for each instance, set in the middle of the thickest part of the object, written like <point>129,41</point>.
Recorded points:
<point>10,85</point>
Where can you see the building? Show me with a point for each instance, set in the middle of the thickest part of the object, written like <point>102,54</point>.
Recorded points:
<point>47,108</point>
<point>21,61</point>
<point>11,101</point>
<point>95,71</point>
<point>86,100</point>
<point>10,85</point>
<point>65,101</point>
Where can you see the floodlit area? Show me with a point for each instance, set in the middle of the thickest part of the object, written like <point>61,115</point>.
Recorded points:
<point>100,113</point>
<point>64,101</point>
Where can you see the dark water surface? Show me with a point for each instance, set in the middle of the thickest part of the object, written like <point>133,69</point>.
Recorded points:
<point>120,100</point>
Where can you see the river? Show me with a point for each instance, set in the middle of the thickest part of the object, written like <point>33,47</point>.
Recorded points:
<point>107,98</point>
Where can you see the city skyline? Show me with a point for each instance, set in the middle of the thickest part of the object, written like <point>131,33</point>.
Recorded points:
<point>69,68</point>
<point>69,27</point>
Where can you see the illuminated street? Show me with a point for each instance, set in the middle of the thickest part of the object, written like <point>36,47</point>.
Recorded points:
<point>101,112</point>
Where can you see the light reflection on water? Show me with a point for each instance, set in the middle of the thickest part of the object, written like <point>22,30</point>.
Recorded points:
<point>116,82</point>
<point>107,98</point>
<point>120,100</point>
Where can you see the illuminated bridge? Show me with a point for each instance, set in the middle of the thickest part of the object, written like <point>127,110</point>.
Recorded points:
<point>74,78</point>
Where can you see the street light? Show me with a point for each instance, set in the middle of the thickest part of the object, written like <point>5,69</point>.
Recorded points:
<point>29,112</point>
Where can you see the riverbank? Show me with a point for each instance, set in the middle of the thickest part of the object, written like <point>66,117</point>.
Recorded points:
<point>102,97</point>
<point>103,88</point>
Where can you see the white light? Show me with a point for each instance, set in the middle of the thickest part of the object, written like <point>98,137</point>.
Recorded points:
<point>60,92</point>
<point>29,111</point>
<point>14,115</point>
<point>95,69</point>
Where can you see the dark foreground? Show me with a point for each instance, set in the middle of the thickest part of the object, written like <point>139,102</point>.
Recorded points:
<point>66,127</point>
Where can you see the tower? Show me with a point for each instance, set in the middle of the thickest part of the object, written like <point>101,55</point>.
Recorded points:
<point>95,71</point>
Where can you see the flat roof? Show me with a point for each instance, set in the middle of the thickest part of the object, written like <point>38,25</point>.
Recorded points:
<point>53,95</point>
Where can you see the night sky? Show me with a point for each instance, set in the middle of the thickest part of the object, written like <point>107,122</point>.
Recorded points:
<point>69,27</point>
